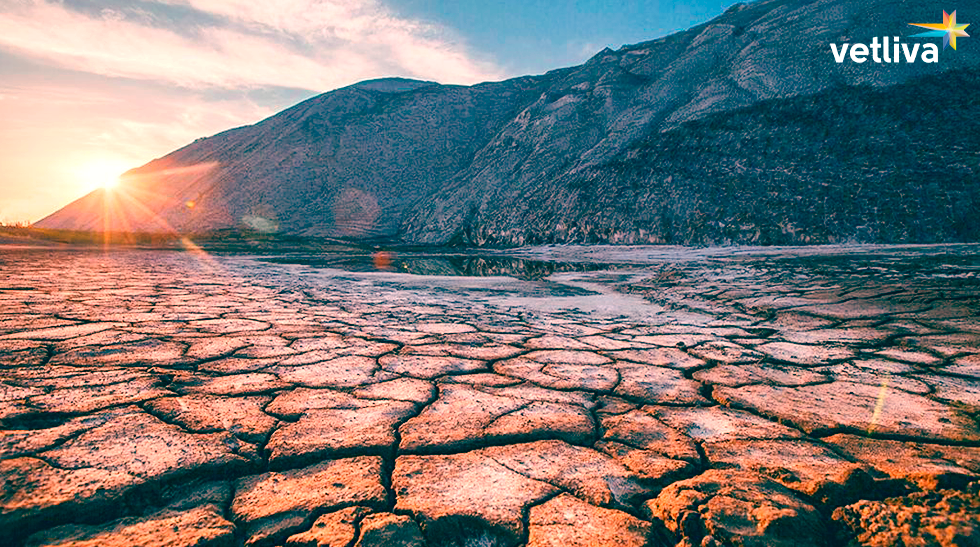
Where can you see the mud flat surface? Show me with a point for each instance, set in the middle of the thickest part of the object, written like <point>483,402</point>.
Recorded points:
<point>772,397</point>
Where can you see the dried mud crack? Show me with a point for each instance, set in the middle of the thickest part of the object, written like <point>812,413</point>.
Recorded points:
<point>161,398</point>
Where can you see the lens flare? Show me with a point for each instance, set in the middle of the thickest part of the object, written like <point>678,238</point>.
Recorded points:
<point>382,260</point>
<point>876,415</point>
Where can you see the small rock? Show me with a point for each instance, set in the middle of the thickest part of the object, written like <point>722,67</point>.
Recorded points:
<point>944,518</point>
<point>337,529</point>
<point>739,508</point>
<point>389,530</point>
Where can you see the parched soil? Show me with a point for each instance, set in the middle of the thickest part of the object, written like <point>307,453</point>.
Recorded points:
<point>180,399</point>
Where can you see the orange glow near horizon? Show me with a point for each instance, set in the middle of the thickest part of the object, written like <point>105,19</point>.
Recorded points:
<point>119,206</point>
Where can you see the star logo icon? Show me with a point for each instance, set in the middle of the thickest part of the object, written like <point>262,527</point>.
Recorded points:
<point>949,30</point>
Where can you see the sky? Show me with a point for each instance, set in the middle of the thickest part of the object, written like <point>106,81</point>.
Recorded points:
<point>90,89</point>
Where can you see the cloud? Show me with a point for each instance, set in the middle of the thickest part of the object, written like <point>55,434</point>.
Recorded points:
<point>305,44</point>
<point>190,68</point>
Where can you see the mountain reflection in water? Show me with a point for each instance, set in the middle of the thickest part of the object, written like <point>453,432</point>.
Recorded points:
<point>442,265</point>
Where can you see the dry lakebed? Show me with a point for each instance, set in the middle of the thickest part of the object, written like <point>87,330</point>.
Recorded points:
<point>553,396</point>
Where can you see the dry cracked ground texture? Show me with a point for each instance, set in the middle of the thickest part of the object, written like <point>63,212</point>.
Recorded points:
<point>175,399</point>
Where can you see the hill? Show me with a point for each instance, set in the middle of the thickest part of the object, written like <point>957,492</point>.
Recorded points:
<point>743,129</point>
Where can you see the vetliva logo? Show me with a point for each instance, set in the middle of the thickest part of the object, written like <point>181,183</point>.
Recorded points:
<point>887,50</point>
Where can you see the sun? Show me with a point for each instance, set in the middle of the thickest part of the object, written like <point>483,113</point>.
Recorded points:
<point>101,173</point>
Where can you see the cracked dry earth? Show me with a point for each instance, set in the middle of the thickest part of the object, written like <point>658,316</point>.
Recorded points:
<point>163,398</point>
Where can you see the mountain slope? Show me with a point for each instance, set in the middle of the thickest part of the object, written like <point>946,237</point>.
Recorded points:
<point>849,164</point>
<point>767,50</point>
<point>625,148</point>
<point>345,163</point>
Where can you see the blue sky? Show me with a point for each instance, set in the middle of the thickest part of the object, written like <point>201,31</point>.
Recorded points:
<point>533,36</point>
<point>90,88</point>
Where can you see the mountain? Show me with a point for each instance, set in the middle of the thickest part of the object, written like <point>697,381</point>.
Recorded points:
<point>850,164</point>
<point>346,163</point>
<point>741,130</point>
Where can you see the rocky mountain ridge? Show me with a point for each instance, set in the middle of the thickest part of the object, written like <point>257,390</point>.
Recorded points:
<point>719,134</point>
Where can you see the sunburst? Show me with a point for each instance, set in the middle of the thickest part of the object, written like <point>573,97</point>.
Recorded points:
<point>949,30</point>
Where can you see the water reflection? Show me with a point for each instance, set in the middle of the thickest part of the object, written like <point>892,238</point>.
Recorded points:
<point>443,265</point>
<point>785,265</point>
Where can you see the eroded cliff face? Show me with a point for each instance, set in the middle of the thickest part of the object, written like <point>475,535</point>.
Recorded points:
<point>850,164</point>
<point>741,130</point>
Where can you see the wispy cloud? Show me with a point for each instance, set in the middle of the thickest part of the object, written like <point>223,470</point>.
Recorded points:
<point>128,81</point>
<point>305,44</point>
